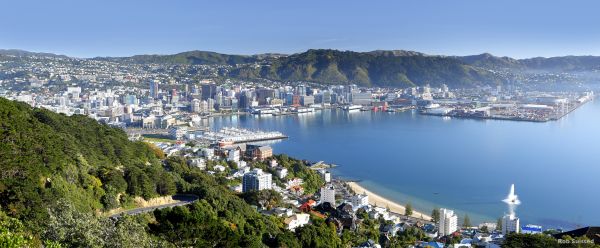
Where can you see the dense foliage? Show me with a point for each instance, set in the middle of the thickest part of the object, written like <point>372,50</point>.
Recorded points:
<point>515,240</point>
<point>312,181</point>
<point>46,156</point>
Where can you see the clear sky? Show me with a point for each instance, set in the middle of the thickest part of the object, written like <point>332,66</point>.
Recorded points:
<point>449,27</point>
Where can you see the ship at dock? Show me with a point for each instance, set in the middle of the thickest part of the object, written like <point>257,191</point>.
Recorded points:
<point>231,135</point>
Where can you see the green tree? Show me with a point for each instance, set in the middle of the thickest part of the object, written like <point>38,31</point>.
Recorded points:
<point>265,199</point>
<point>319,234</point>
<point>467,221</point>
<point>287,240</point>
<point>109,200</point>
<point>410,236</point>
<point>12,233</point>
<point>435,215</point>
<point>68,226</point>
<point>519,240</point>
<point>408,211</point>
<point>166,186</point>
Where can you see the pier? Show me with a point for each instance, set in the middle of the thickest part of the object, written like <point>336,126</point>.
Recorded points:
<point>231,135</point>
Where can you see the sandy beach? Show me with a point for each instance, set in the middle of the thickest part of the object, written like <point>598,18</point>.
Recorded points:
<point>380,201</point>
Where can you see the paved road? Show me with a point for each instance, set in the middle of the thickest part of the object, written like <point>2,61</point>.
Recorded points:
<point>182,200</point>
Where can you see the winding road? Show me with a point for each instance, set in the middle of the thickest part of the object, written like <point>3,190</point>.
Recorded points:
<point>182,200</point>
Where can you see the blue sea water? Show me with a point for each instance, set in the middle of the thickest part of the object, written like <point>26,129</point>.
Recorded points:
<point>462,164</point>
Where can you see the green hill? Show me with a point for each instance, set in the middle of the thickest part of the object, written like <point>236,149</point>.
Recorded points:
<point>46,156</point>
<point>552,64</point>
<point>191,57</point>
<point>58,173</point>
<point>377,68</point>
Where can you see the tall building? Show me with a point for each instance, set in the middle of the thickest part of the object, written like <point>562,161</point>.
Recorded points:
<point>301,90</point>
<point>263,95</point>
<point>362,98</point>
<point>209,91</point>
<point>325,175</point>
<point>326,97</point>
<point>256,180</point>
<point>307,100</point>
<point>448,222</point>
<point>154,89</point>
<point>195,106</point>
<point>328,194</point>
<point>510,224</point>
<point>174,96</point>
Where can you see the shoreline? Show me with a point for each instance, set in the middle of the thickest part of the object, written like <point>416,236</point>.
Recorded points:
<point>380,201</point>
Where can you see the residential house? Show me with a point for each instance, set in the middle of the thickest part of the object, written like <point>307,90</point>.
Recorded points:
<point>296,220</point>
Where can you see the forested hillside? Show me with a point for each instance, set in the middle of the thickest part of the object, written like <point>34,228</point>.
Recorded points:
<point>60,173</point>
<point>376,69</point>
<point>47,156</point>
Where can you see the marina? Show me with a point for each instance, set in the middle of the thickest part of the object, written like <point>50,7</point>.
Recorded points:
<point>232,135</point>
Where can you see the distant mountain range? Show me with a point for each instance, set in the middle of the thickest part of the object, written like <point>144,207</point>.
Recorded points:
<point>193,57</point>
<point>553,64</point>
<point>375,68</point>
<point>23,53</point>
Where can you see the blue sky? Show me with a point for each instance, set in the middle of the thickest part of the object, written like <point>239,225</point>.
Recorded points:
<point>460,27</point>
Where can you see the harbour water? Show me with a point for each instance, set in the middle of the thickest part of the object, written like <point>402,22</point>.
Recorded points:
<point>462,164</point>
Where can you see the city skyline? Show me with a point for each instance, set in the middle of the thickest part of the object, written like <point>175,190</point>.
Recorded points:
<point>514,29</point>
<point>299,124</point>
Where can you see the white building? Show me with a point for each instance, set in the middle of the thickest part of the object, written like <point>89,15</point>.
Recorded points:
<point>295,182</point>
<point>208,153</point>
<point>296,220</point>
<point>282,172</point>
<point>510,224</point>
<point>198,162</point>
<point>362,98</point>
<point>489,225</point>
<point>177,132</point>
<point>219,168</point>
<point>377,212</point>
<point>328,194</point>
<point>233,155</point>
<point>448,222</point>
<point>359,200</point>
<point>196,106</point>
<point>256,180</point>
<point>326,175</point>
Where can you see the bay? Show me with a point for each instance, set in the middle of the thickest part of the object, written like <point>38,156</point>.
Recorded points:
<point>462,164</point>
